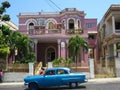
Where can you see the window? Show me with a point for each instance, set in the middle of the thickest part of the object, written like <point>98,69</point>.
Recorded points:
<point>50,54</point>
<point>71,24</point>
<point>117,25</point>
<point>41,22</point>
<point>31,26</point>
<point>62,72</point>
<point>91,36</point>
<point>50,72</point>
<point>89,25</point>
<point>51,25</point>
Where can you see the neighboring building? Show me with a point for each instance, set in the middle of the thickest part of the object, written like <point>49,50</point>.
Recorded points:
<point>109,41</point>
<point>12,26</point>
<point>51,32</point>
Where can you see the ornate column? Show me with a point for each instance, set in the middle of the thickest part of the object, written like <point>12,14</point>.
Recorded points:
<point>59,51</point>
<point>63,50</point>
<point>114,48</point>
<point>36,42</point>
<point>67,53</point>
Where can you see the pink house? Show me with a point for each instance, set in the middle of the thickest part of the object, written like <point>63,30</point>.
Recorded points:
<point>51,31</point>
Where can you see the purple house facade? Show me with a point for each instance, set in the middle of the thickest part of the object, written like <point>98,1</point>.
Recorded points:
<point>51,32</point>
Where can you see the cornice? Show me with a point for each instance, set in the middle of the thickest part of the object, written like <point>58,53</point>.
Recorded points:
<point>52,15</point>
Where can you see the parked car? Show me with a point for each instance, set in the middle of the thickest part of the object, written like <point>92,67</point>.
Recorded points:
<point>58,76</point>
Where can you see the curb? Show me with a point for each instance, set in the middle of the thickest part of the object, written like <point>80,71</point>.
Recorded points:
<point>12,83</point>
<point>90,81</point>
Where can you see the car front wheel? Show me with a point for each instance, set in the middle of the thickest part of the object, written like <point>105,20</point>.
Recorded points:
<point>73,85</point>
<point>33,86</point>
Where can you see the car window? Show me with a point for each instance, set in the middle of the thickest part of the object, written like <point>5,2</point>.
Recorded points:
<point>50,72</point>
<point>61,72</point>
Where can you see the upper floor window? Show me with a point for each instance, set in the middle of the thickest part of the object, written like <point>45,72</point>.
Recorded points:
<point>89,25</point>
<point>71,24</point>
<point>41,22</point>
<point>117,25</point>
<point>51,25</point>
<point>91,36</point>
<point>31,26</point>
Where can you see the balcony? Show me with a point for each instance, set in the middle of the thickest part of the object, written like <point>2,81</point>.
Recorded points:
<point>92,42</point>
<point>40,31</point>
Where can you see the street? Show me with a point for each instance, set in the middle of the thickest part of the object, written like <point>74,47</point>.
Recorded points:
<point>87,86</point>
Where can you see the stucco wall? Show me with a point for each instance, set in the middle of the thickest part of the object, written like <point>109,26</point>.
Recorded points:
<point>14,76</point>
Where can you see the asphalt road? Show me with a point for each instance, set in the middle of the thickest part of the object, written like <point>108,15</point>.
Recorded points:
<point>86,86</point>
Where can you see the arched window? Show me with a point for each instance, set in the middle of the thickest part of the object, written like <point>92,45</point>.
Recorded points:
<point>71,24</point>
<point>50,54</point>
<point>31,27</point>
<point>51,25</point>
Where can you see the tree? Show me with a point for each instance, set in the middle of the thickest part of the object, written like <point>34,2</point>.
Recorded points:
<point>4,17</point>
<point>58,61</point>
<point>4,48</point>
<point>25,53</point>
<point>62,62</point>
<point>13,40</point>
<point>75,45</point>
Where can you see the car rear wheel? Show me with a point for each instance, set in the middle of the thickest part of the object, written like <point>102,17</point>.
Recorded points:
<point>33,86</point>
<point>73,84</point>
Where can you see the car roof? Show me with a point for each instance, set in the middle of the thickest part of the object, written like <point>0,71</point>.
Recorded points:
<point>55,68</point>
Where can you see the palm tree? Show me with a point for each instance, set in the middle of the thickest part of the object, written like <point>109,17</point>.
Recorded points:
<point>75,45</point>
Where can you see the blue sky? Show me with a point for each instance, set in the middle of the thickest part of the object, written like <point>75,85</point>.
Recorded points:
<point>92,8</point>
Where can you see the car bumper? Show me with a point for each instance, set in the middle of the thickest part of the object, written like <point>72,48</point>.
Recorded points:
<point>86,80</point>
<point>26,86</point>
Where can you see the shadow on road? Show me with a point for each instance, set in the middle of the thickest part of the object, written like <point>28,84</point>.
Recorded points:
<point>60,88</point>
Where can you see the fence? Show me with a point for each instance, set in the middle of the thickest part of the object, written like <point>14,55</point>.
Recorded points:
<point>18,68</point>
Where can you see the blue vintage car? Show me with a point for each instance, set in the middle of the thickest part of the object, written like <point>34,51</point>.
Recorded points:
<point>55,77</point>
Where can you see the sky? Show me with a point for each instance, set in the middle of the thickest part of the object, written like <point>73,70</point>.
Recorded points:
<point>92,8</point>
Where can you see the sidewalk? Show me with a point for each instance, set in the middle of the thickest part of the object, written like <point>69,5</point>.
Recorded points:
<point>90,81</point>
<point>104,80</point>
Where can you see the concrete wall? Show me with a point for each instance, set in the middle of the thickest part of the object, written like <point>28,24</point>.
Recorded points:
<point>14,76</point>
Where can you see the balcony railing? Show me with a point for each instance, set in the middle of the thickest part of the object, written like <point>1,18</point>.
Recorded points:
<point>110,32</point>
<point>38,31</point>
<point>46,31</point>
<point>75,31</point>
<point>92,42</point>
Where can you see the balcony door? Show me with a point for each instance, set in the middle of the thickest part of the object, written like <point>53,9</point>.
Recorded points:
<point>71,24</point>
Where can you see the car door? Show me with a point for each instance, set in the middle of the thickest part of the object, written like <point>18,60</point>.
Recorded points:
<point>61,77</point>
<point>50,78</point>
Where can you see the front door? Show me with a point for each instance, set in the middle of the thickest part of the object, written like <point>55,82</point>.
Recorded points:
<point>50,54</point>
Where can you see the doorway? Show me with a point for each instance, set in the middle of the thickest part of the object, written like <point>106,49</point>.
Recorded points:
<point>50,54</point>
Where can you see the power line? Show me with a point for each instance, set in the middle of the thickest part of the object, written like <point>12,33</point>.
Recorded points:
<point>49,4</point>
<point>55,4</point>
